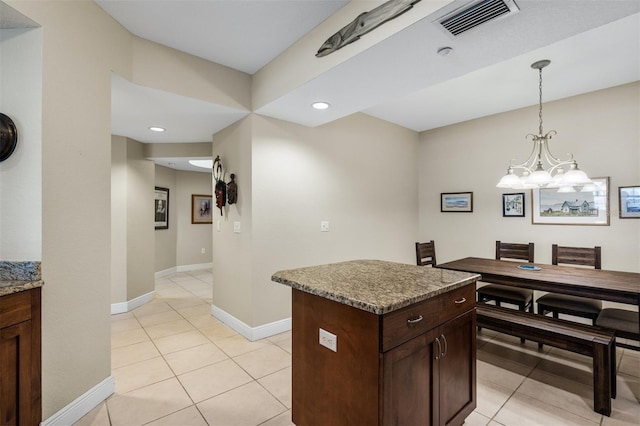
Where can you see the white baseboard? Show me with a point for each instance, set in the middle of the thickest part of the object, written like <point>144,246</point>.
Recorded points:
<point>166,272</point>
<point>122,307</point>
<point>183,268</point>
<point>251,333</point>
<point>82,405</point>
<point>196,267</point>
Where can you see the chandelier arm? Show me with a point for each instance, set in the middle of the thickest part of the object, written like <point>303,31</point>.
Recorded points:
<point>530,161</point>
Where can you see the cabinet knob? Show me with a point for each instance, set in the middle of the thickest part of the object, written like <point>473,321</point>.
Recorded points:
<point>413,321</point>
<point>460,301</point>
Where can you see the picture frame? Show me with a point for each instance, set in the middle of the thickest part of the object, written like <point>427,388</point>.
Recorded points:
<point>201,209</point>
<point>513,205</point>
<point>588,205</point>
<point>161,208</point>
<point>456,202</point>
<point>629,202</point>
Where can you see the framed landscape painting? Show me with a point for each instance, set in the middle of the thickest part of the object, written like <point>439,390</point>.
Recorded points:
<point>629,202</point>
<point>582,206</point>
<point>456,202</point>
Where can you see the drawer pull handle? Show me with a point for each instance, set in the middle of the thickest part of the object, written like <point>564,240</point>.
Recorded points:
<point>414,321</point>
<point>460,301</point>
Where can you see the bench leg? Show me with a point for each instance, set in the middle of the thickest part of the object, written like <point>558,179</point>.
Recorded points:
<point>614,387</point>
<point>602,380</point>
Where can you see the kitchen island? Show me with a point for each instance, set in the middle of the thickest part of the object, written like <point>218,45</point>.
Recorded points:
<point>382,343</point>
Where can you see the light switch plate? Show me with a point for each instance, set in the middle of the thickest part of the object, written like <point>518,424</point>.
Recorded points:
<point>329,340</point>
<point>324,226</point>
<point>236,227</point>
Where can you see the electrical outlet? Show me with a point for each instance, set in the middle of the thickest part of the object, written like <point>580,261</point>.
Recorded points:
<point>324,226</point>
<point>236,227</point>
<point>329,340</point>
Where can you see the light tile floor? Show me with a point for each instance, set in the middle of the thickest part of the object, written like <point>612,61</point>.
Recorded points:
<point>174,364</point>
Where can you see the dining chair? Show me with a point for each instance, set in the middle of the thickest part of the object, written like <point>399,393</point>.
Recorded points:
<point>426,254</point>
<point>521,297</point>
<point>572,305</point>
<point>624,323</point>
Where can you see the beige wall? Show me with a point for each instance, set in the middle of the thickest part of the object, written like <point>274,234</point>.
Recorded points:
<point>81,45</point>
<point>21,174</point>
<point>192,238</point>
<point>119,193</point>
<point>359,173</point>
<point>232,252</point>
<point>140,221</point>
<point>132,256</point>
<point>165,239</point>
<point>166,69</point>
<point>601,129</point>
<point>182,243</point>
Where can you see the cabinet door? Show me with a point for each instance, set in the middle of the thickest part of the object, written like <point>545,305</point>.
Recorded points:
<point>409,380</point>
<point>15,374</point>
<point>458,369</point>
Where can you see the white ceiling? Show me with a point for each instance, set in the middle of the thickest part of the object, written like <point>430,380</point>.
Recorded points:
<point>592,45</point>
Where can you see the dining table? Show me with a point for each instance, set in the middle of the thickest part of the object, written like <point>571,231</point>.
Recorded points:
<point>601,284</point>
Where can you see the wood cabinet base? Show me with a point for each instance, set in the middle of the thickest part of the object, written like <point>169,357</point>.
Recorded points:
<point>388,369</point>
<point>20,359</point>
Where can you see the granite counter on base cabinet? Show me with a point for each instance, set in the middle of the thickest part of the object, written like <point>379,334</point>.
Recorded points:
<point>20,344</point>
<point>382,343</point>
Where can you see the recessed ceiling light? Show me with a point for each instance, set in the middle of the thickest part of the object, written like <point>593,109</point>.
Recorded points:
<point>157,129</point>
<point>320,105</point>
<point>444,51</point>
<point>205,164</point>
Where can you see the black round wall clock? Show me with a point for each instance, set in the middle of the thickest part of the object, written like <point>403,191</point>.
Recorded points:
<point>8,137</point>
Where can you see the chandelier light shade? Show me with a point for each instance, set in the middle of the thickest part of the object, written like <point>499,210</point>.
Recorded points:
<point>542,169</point>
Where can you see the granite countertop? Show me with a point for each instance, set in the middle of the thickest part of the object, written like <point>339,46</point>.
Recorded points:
<point>19,276</point>
<point>376,286</point>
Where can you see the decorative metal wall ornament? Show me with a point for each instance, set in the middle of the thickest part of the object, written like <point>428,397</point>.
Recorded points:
<point>232,190</point>
<point>364,23</point>
<point>8,137</point>
<point>220,186</point>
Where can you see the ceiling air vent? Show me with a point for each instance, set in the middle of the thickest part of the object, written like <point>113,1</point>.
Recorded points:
<point>477,13</point>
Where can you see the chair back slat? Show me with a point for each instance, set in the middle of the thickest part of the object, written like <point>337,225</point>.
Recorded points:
<point>585,256</point>
<point>426,253</point>
<point>514,251</point>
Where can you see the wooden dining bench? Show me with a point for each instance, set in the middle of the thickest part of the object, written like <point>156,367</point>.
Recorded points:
<point>588,340</point>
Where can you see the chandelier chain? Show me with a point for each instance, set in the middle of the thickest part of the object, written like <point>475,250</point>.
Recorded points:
<point>540,101</point>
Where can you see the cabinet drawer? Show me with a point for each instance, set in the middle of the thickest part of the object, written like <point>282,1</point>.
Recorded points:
<point>15,308</point>
<point>406,323</point>
<point>457,302</point>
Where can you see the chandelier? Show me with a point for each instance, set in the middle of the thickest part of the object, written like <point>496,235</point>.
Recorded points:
<point>535,174</point>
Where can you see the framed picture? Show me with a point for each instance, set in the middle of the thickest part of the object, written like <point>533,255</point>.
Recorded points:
<point>201,209</point>
<point>456,202</point>
<point>629,202</point>
<point>161,210</point>
<point>513,205</point>
<point>586,206</point>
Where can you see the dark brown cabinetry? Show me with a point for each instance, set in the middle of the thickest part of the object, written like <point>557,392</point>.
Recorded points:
<point>413,366</point>
<point>20,359</point>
